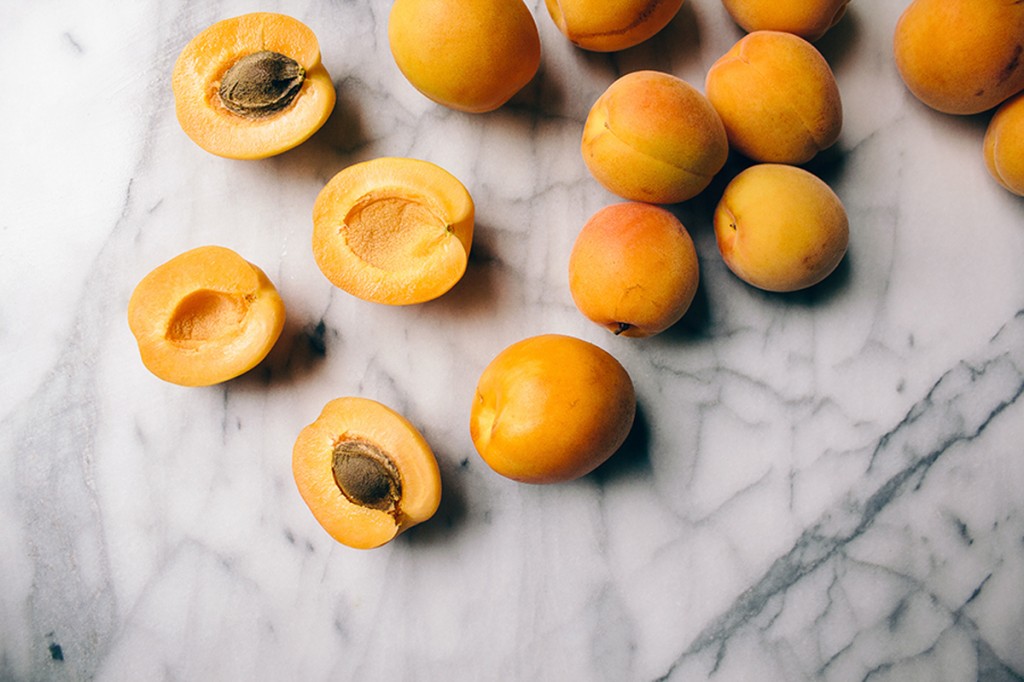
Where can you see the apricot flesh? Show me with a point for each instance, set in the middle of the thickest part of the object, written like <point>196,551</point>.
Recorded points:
<point>777,97</point>
<point>633,269</point>
<point>551,408</point>
<point>393,230</point>
<point>205,316</point>
<point>603,26</point>
<point>1004,145</point>
<point>809,19</point>
<point>780,228</point>
<point>252,86</point>
<point>653,137</point>
<point>469,55</point>
<point>365,472</point>
<point>961,56</point>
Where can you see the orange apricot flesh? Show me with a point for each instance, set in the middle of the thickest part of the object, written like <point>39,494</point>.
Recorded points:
<point>204,317</point>
<point>365,472</point>
<point>228,91</point>
<point>393,230</point>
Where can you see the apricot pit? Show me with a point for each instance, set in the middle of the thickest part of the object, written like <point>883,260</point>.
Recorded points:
<point>393,230</point>
<point>365,472</point>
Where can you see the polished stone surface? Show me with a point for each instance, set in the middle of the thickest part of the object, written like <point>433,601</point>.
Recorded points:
<point>821,486</point>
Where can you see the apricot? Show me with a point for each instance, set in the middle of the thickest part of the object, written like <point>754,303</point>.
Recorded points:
<point>1004,145</point>
<point>961,56</point>
<point>777,97</point>
<point>252,86</point>
<point>633,269</point>
<point>809,19</point>
<point>205,316</point>
<point>603,26</point>
<point>365,472</point>
<point>551,408</point>
<point>393,230</point>
<point>654,138</point>
<point>780,228</point>
<point>469,55</point>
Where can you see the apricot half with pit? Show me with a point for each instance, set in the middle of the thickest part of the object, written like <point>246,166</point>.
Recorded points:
<point>393,230</point>
<point>204,317</point>
<point>633,269</point>
<point>551,408</point>
<point>252,86</point>
<point>365,472</point>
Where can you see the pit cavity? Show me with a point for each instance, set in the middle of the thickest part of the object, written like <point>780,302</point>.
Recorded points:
<point>205,315</point>
<point>393,232</point>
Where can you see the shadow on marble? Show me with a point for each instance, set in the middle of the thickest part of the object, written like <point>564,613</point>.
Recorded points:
<point>301,348</point>
<point>840,41</point>
<point>452,511</point>
<point>633,459</point>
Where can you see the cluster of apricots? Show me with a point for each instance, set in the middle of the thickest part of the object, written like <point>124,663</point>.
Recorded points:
<point>398,231</point>
<point>966,57</point>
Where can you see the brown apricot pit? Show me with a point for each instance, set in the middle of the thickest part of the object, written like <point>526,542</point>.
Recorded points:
<point>366,476</point>
<point>261,84</point>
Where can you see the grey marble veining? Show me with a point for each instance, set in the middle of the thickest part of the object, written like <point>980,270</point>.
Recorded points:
<point>820,486</point>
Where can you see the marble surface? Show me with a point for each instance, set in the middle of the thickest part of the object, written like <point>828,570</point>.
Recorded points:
<point>821,486</point>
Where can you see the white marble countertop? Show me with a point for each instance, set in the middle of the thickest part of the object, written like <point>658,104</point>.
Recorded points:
<point>821,486</point>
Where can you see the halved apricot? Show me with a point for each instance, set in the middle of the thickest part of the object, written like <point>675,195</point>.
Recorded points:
<point>365,472</point>
<point>204,317</point>
<point>393,230</point>
<point>252,86</point>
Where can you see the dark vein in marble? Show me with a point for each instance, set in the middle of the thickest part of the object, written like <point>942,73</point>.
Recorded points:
<point>826,539</point>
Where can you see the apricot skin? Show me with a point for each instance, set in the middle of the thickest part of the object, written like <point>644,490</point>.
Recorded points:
<point>207,57</point>
<point>550,409</point>
<point>780,228</point>
<point>393,230</point>
<point>654,138</point>
<point>809,19</point>
<point>777,97</point>
<point>1004,145</point>
<point>469,55</point>
<point>355,418</point>
<point>603,26</point>
<point>204,317</point>
<point>633,269</point>
<point>961,56</point>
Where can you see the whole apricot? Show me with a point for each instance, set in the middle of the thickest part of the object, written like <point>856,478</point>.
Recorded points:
<point>551,408</point>
<point>393,230</point>
<point>780,228</point>
<point>252,86</point>
<point>470,55</point>
<point>365,472</point>
<point>809,19</point>
<point>961,56</point>
<point>205,316</point>
<point>777,97</point>
<point>653,137</point>
<point>603,26</point>
<point>633,269</point>
<point>1004,144</point>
